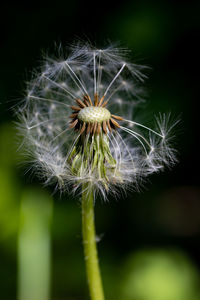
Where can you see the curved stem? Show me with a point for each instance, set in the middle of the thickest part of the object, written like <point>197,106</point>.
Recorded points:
<point>89,243</point>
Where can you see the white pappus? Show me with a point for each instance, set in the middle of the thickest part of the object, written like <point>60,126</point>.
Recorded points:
<point>78,127</point>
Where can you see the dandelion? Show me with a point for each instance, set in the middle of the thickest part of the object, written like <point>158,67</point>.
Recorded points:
<point>78,128</point>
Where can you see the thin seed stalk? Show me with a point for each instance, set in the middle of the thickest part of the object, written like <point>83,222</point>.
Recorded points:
<point>89,243</point>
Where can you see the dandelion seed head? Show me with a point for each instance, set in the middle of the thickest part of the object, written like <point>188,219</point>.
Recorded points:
<point>77,123</point>
<point>94,114</point>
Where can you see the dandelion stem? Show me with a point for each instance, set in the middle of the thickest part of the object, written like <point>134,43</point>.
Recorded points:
<point>89,243</point>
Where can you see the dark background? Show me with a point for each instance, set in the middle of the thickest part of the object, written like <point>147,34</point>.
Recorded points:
<point>165,217</point>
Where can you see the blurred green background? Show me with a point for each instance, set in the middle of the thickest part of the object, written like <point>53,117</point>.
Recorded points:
<point>149,242</point>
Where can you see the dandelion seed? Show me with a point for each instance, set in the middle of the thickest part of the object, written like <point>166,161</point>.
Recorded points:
<point>86,98</point>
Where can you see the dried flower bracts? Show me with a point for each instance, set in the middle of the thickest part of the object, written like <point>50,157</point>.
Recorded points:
<point>93,118</point>
<point>79,126</point>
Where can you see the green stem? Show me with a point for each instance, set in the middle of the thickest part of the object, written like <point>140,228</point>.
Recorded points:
<point>34,246</point>
<point>89,243</point>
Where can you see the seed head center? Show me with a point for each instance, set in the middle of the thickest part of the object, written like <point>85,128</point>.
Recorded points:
<point>93,114</point>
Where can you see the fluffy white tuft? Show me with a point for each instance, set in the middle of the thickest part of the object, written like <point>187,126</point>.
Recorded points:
<point>44,120</point>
